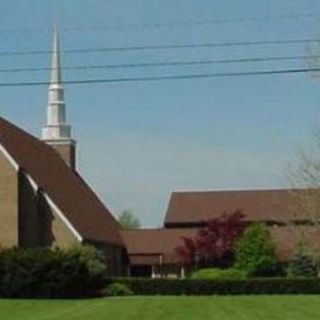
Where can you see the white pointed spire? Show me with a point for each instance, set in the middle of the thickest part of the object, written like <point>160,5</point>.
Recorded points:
<point>56,127</point>
<point>55,63</point>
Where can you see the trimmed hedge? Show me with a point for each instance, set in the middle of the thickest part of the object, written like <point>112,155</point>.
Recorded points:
<point>221,287</point>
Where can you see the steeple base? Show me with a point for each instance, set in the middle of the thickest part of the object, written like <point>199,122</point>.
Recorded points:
<point>56,132</point>
<point>66,149</point>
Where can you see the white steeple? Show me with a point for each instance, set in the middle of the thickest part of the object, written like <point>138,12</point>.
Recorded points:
<point>56,132</point>
<point>56,128</point>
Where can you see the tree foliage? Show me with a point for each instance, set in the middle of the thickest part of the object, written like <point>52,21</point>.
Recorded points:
<point>302,265</point>
<point>255,251</point>
<point>213,245</point>
<point>128,221</point>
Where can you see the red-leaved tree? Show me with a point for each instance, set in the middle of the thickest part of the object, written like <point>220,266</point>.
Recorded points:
<point>213,245</point>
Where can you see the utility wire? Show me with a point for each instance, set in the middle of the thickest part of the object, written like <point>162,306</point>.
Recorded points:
<point>168,63</point>
<point>173,77</point>
<point>185,23</point>
<point>166,47</point>
<point>204,22</point>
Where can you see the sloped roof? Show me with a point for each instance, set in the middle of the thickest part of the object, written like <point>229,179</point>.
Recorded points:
<point>80,205</point>
<point>257,205</point>
<point>145,246</point>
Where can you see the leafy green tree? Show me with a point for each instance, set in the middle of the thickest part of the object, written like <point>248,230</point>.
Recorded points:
<point>255,252</point>
<point>128,221</point>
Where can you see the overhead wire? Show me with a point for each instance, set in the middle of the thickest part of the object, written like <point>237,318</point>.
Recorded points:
<point>166,47</point>
<point>167,77</point>
<point>166,63</point>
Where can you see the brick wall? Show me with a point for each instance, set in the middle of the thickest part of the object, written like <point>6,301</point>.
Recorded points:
<point>8,203</point>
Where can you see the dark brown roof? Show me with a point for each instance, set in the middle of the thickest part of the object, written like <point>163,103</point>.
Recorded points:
<point>147,245</point>
<point>66,188</point>
<point>257,205</point>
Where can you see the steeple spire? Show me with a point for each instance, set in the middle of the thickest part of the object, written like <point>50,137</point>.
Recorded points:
<point>55,63</point>
<point>56,132</point>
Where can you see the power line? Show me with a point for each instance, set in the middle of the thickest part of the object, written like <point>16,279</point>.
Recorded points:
<point>165,47</point>
<point>204,22</point>
<point>172,77</point>
<point>166,63</point>
<point>260,18</point>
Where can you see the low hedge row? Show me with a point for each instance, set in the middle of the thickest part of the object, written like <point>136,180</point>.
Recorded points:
<point>221,287</point>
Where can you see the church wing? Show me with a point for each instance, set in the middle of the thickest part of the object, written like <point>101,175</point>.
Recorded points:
<point>58,188</point>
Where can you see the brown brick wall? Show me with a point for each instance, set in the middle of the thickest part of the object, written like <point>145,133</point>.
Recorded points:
<point>62,235</point>
<point>53,230</point>
<point>8,203</point>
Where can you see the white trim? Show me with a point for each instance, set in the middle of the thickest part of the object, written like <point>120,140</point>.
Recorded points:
<point>182,273</point>
<point>63,217</point>
<point>31,181</point>
<point>153,273</point>
<point>59,141</point>
<point>9,157</point>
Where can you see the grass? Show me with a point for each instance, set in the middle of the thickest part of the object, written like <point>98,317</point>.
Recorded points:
<point>168,308</point>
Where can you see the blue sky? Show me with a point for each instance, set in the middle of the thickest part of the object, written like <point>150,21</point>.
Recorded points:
<point>140,141</point>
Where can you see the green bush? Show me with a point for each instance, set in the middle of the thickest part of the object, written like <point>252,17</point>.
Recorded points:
<point>268,268</point>
<point>117,289</point>
<point>222,287</point>
<point>214,273</point>
<point>255,252</point>
<point>48,273</point>
<point>302,265</point>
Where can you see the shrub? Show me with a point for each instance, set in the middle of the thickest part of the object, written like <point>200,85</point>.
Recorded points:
<point>213,245</point>
<point>91,257</point>
<point>268,268</point>
<point>214,273</point>
<point>222,287</point>
<point>302,265</point>
<point>117,289</point>
<point>47,273</point>
<point>255,251</point>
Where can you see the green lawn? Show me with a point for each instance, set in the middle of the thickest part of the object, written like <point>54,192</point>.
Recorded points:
<point>166,308</point>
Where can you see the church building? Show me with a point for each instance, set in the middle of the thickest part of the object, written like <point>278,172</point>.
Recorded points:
<point>152,251</point>
<point>43,199</point>
<point>45,202</point>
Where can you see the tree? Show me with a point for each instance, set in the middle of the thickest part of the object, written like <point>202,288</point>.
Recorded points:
<point>304,176</point>
<point>214,243</point>
<point>255,251</point>
<point>128,221</point>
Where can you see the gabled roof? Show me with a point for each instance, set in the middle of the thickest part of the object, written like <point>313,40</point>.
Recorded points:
<point>257,205</point>
<point>80,205</point>
<point>145,246</point>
